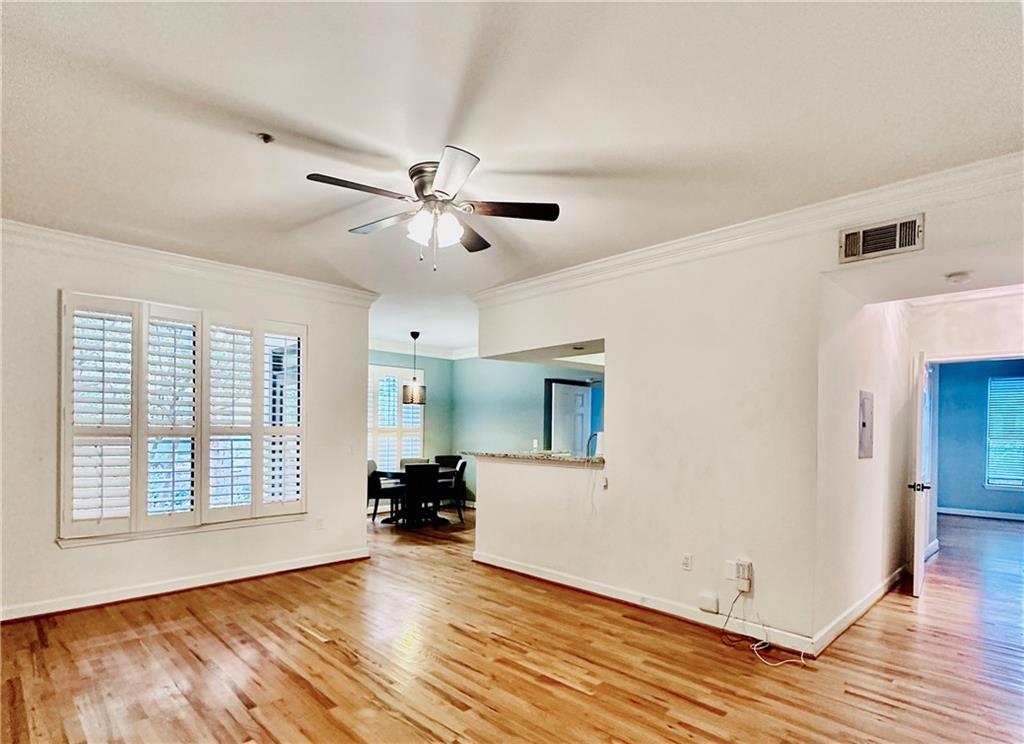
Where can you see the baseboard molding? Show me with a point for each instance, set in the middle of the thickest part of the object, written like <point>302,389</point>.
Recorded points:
<point>932,549</point>
<point>823,639</point>
<point>77,601</point>
<point>980,513</point>
<point>782,638</point>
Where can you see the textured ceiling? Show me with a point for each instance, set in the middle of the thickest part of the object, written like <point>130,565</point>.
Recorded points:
<point>646,123</point>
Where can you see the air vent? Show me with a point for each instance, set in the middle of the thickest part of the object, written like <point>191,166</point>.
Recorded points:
<point>881,239</point>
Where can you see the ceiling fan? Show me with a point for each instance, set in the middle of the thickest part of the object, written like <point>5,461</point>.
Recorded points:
<point>436,221</point>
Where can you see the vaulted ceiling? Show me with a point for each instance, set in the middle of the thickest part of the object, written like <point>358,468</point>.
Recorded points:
<point>135,122</point>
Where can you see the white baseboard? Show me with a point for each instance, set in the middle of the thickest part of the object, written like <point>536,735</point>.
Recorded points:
<point>980,513</point>
<point>76,601</point>
<point>782,638</point>
<point>932,549</point>
<point>834,629</point>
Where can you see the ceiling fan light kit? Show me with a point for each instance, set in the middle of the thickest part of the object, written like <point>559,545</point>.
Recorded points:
<point>437,223</point>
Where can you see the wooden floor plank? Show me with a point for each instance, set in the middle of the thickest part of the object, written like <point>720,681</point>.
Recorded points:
<point>421,644</point>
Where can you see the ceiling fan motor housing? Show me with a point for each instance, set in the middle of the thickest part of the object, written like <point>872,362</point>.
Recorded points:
<point>422,175</point>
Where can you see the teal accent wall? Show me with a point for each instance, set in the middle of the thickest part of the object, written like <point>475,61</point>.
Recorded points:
<point>438,412</point>
<point>499,406</point>
<point>963,422</point>
<point>485,404</point>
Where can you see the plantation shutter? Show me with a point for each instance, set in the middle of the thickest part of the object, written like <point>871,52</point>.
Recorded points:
<point>172,434</point>
<point>1004,461</point>
<point>99,408</point>
<point>230,465</point>
<point>283,378</point>
<point>394,429</point>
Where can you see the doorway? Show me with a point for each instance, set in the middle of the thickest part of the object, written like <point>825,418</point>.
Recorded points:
<point>568,416</point>
<point>969,453</point>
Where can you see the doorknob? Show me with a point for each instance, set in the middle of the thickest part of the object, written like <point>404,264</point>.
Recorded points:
<point>919,486</point>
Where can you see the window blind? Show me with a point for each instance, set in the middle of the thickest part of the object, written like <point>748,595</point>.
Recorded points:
<point>172,373</point>
<point>230,377</point>
<point>282,469</point>
<point>1004,460</point>
<point>281,380</point>
<point>171,364</point>
<point>230,471</point>
<point>101,478</point>
<point>102,369</point>
<point>394,429</point>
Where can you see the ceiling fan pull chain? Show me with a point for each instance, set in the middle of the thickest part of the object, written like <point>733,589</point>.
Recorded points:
<point>433,239</point>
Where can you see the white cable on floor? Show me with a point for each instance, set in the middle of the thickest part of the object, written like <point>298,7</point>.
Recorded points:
<point>758,645</point>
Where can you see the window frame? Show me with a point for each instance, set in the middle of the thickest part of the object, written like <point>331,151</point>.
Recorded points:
<point>374,374</point>
<point>139,523</point>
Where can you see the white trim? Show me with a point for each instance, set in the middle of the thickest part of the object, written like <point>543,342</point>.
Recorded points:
<point>60,604</point>
<point>983,178</point>
<point>981,513</point>
<point>213,526</point>
<point>824,637</point>
<point>783,638</point>
<point>70,245</point>
<point>932,549</point>
<point>423,350</point>
<point>973,295</point>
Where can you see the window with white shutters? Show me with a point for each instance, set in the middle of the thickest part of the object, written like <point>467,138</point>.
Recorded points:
<point>171,422</point>
<point>1004,458</point>
<point>98,415</point>
<point>394,429</point>
<point>231,476</point>
<point>172,432</point>
<point>283,369</point>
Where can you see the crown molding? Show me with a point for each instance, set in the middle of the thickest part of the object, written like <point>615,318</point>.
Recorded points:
<point>423,350</point>
<point>975,180</point>
<point>72,245</point>
<point>970,295</point>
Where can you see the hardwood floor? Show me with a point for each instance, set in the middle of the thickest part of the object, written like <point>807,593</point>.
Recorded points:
<point>421,644</point>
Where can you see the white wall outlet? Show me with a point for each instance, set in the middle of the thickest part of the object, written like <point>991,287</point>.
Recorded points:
<point>687,562</point>
<point>708,602</point>
<point>744,575</point>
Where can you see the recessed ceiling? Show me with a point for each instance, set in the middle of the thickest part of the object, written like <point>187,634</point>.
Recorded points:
<point>135,122</point>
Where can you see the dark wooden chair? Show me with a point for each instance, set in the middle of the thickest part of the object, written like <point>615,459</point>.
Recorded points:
<point>421,492</point>
<point>377,490</point>
<point>456,489</point>
<point>448,461</point>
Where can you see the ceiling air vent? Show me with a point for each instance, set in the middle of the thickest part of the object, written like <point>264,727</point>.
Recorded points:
<point>881,239</point>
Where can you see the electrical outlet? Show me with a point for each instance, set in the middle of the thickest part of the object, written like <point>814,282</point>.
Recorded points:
<point>744,575</point>
<point>687,561</point>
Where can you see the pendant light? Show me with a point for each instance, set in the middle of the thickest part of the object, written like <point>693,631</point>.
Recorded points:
<point>414,392</point>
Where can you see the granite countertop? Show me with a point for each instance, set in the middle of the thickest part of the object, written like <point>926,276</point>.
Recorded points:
<point>540,457</point>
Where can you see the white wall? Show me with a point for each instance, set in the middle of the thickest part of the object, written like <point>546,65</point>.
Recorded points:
<point>714,421</point>
<point>710,425</point>
<point>39,575</point>
<point>862,504</point>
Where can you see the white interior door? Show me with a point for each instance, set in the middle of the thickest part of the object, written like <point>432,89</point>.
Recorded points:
<point>920,485</point>
<point>570,418</point>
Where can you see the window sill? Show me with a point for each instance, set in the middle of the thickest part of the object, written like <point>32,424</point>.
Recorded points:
<point>81,542</point>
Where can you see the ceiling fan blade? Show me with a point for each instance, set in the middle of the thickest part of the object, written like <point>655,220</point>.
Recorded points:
<point>471,240</point>
<point>383,224</point>
<point>452,171</point>
<point>519,210</point>
<point>357,186</point>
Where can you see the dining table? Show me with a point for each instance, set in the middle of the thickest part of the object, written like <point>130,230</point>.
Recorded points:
<point>399,474</point>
